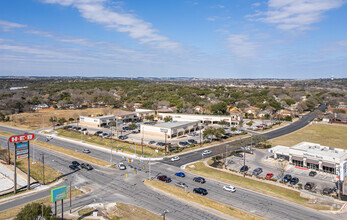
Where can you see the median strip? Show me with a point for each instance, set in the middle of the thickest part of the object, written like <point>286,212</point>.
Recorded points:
<point>209,203</point>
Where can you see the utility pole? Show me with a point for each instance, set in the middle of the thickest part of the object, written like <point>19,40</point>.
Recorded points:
<point>200,136</point>
<point>70,196</point>
<point>28,186</point>
<point>43,168</point>
<point>244,163</point>
<point>9,152</point>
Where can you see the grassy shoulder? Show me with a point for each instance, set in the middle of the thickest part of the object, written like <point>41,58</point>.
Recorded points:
<point>328,135</point>
<point>199,168</point>
<point>35,168</point>
<point>191,197</point>
<point>107,143</point>
<point>62,150</point>
<point>11,213</point>
<point>131,212</point>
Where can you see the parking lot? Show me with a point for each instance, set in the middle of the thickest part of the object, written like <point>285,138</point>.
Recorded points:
<point>262,159</point>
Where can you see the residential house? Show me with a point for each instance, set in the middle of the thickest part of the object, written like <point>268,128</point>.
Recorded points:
<point>198,109</point>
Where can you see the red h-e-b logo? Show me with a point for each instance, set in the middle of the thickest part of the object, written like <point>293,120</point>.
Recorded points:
<point>20,138</point>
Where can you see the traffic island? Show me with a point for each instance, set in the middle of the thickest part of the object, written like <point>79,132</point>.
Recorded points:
<point>201,201</point>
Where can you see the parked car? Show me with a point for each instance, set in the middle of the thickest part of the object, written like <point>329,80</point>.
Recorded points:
<point>257,171</point>
<point>312,173</point>
<point>68,127</point>
<point>84,129</point>
<point>238,155</point>
<point>151,142</point>
<point>269,175</point>
<point>73,167</point>
<point>206,152</point>
<point>244,168</point>
<point>105,134</point>
<point>287,178</point>
<point>199,180</point>
<point>184,143</point>
<point>121,166</point>
<point>78,128</point>
<point>175,158</point>
<point>294,180</point>
<point>98,132</point>
<point>192,141</point>
<point>328,190</point>
<point>309,186</point>
<point>86,151</point>
<point>200,191</point>
<point>164,178</point>
<point>229,188</point>
<point>86,166</point>
<point>180,174</point>
<point>123,137</point>
<point>135,132</point>
<point>281,159</point>
<point>161,144</point>
<point>181,184</point>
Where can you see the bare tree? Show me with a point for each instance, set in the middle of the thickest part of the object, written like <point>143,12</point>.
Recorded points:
<point>281,167</point>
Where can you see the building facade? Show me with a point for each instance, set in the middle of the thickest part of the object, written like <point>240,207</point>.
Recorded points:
<point>169,129</point>
<point>208,119</point>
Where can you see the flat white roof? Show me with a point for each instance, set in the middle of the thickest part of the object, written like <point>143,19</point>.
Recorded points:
<point>174,124</point>
<point>105,116</point>
<point>320,149</point>
<point>143,110</point>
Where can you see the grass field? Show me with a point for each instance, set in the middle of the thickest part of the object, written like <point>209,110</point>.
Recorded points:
<point>107,143</point>
<point>254,185</point>
<point>192,197</point>
<point>328,135</point>
<point>131,212</point>
<point>37,120</point>
<point>11,213</point>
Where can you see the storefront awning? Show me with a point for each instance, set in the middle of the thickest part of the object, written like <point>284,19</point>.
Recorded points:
<point>297,158</point>
<point>332,165</point>
<point>312,161</point>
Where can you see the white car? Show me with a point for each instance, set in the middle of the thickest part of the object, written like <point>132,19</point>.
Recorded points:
<point>229,188</point>
<point>175,158</point>
<point>206,152</point>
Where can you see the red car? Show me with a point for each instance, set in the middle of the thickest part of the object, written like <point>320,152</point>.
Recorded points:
<point>164,178</point>
<point>269,175</point>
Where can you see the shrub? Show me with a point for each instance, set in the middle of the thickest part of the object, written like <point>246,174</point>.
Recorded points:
<point>33,211</point>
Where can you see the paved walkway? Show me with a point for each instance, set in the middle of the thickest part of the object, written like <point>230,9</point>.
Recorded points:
<point>6,179</point>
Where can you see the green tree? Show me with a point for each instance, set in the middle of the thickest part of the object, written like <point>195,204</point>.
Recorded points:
<point>208,132</point>
<point>149,117</point>
<point>53,120</point>
<point>288,118</point>
<point>34,210</point>
<point>250,123</point>
<point>219,108</point>
<point>168,118</point>
<point>71,120</point>
<point>223,123</point>
<point>62,121</point>
<point>233,129</point>
<point>132,126</point>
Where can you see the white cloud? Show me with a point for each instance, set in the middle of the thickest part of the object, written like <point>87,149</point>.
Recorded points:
<point>257,4</point>
<point>7,26</point>
<point>241,47</point>
<point>297,14</point>
<point>95,11</point>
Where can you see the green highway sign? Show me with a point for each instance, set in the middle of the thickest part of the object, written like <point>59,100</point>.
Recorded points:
<point>58,193</point>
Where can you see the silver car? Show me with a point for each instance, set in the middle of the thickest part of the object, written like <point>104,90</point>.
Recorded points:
<point>181,184</point>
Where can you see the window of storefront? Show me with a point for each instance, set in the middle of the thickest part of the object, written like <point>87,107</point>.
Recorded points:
<point>328,169</point>
<point>312,166</point>
<point>298,163</point>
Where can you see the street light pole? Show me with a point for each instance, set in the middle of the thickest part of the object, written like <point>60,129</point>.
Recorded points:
<point>43,168</point>
<point>200,136</point>
<point>9,152</point>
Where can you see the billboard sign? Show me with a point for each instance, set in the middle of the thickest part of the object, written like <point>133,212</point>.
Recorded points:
<point>58,193</point>
<point>22,151</point>
<point>20,138</point>
<point>22,145</point>
<point>22,156</point>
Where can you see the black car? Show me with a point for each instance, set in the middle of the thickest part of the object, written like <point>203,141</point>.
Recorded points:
<point>257,171</point>
<point>184,143</point>
<point>68,127</point>
<point>309,186</point>
<point>294,180</point>
<point>238,155</point>
<point>161,144</point>
<point>199,180</point>
<point>312,173</point>
<point>287,178</point>
<point>75,163</point>
<point>192,141</point>
<point>123,137</point>
<point>200,191</point>
<point>151,142</point>
<point>84,129</point>
<point>74,168</point>
<point>328,190</point>
<point>86,166</point>
<point>78,128</point>
<point>98,132</point>
<point>244,169</point>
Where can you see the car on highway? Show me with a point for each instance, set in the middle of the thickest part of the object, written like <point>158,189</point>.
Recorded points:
<point>73,167</point>
<point>257,171</point>
<point>180,174</point>
<point>181,184</point>
<point>312,173</point>
<point>229,188</point>
<point>151,142</point>
<point>309,185</point>
<point>86,151</point>
<point>287,178</point>
<point>199,180</point>
<point>121,166</point>
<point>269,175</point>
<point>294,181</point>
<point>244,169</point>
<point>86,166</point>
<point>206,152</point>
<point>164,178</point>
<point>175,158</point>
<point>200,191</point>
<point>328,190</point>
<point>75,163</point>
<point>49,137</point>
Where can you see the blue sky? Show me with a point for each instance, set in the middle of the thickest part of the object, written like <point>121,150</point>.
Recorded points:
<point>168,38</point>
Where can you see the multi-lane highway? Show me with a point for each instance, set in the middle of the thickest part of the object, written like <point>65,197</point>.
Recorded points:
<point>111,185</point>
